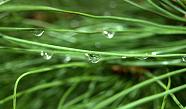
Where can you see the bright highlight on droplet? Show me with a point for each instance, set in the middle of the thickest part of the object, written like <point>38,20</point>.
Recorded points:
<point>67,59</point>
<point>93,58</point>
<point>46,55</point>
<point>154,53</point>
<point>108,34</point>
<point>144,57</point>
<point>123,57</point>
<point>165,63</point>
<point>184,58</point>
<point>39,33</point>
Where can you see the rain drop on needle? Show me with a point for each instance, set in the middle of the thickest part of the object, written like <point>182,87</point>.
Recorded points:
<point>184,58</point>
<point>93,58</point>
<point>39,33</point>
<point>108,34</point>
<point>45,55</point>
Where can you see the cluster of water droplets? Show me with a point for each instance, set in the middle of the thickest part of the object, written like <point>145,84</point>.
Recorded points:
<point>108,34</point>
<point>93,58</point>
<point>46,55</point>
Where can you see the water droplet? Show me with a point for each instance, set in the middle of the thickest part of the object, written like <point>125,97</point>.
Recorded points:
<point>154,53</point>
<point>184,58</point>
<point>108,34</point>
<point>67,59</point>
<point>123,57</point>
<point>165,62</point>
<point>93,58</point>
<point>46,55</point>
<point>39,33</point>
<point>143,58</point>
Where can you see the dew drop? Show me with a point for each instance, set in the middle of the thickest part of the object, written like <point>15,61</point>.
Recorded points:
<point>143,58</point>
<point>93,58</point>
<point>184,58</point>
<point>67,59</point>
<point>154,53</point>
<point>165,63</point>
<point>39,33</point>
<point>123,57</point>
<point>46,55</point>
<point>108,34</point>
